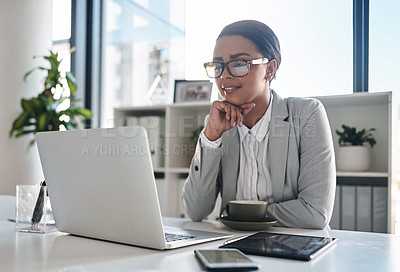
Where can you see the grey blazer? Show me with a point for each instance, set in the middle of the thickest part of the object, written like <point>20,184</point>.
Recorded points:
<point>302,169</point>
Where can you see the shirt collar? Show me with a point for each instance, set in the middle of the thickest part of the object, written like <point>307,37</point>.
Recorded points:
<point>261,128</point>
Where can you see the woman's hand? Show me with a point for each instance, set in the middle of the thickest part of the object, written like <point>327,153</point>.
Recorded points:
<point>224,116</point>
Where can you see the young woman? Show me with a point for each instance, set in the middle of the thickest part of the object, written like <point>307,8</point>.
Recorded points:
<point>257,145</point>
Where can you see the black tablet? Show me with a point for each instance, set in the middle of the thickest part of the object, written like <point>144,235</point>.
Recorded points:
<point>298,247</point>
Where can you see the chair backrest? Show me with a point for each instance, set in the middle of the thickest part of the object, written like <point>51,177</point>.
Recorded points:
<point>7,207</point>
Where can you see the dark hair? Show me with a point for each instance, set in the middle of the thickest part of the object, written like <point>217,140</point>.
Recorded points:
<point>260,34</point>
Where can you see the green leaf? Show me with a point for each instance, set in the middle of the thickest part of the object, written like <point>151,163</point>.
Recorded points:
<point>52,79</point>
<point>73,102</point>
<point>20,121</point>
<point>350,136</point>
<point>71,80</point>
<point>42,122</point>
<point>84,112</point>
<point>53,59</point>
<point>27,104</point>
<point>72,112</point>
<point>23,132</point>
<point>29,72</point>
<point>31,143</point>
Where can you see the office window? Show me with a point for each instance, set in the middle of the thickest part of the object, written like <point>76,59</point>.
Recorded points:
<point>384,43</point>
<point>315,37</point>
<point>61,36</point>
<point>143,53</point>
<point>147,44</point>
<point>61,31</point>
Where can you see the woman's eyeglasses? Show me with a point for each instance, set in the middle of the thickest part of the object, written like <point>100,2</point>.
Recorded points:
<point>237,68</point>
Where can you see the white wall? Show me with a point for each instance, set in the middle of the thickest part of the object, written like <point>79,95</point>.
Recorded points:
<point>25,31</point>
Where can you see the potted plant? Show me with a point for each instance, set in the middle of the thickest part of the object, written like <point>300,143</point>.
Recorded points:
<point>52,109</point>
<point>353,153</point>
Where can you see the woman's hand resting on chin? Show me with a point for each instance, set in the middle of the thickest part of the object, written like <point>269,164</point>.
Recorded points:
<point>224,116</point>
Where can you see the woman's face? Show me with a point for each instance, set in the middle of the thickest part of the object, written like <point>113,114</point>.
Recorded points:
<point>239,90</point>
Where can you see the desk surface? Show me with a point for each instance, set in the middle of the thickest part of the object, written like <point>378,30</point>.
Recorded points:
<point>354,251</point>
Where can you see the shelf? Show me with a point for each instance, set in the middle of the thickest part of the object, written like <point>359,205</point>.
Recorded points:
<point>179,170</point>
<point>173,170</point>
<point>362,174</point>
<point>160,108</point>
<point>192,104</point>
<point>356,99</point>
<point>160,170</point>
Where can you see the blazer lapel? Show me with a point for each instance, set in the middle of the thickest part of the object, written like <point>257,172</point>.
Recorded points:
<point>230,165</point>
<point>278,145</point>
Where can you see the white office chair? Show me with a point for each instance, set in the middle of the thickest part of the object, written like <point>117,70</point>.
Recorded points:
<point>7,207</point>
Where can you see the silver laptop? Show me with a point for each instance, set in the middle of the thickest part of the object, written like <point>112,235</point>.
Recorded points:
<point>101,185</point>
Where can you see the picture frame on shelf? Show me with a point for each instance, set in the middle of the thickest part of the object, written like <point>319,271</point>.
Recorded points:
<point>192,90</point>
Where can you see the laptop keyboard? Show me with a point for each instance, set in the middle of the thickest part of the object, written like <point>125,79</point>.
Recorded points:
<point>170,237</point>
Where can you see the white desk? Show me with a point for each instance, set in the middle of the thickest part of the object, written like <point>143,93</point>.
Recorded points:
<point>354,251</point>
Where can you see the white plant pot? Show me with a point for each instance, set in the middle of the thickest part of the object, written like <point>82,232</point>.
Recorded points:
<point>353,158</point>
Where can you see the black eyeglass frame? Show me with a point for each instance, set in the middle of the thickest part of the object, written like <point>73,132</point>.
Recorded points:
<point>226,64</point>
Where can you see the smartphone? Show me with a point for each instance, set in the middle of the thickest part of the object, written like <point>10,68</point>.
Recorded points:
<point>225,259</point>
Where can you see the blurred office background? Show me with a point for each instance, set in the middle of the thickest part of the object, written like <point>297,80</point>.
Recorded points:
<point>130,52</point>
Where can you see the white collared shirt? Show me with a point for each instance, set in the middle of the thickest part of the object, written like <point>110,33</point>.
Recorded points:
<point>254,180</point>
